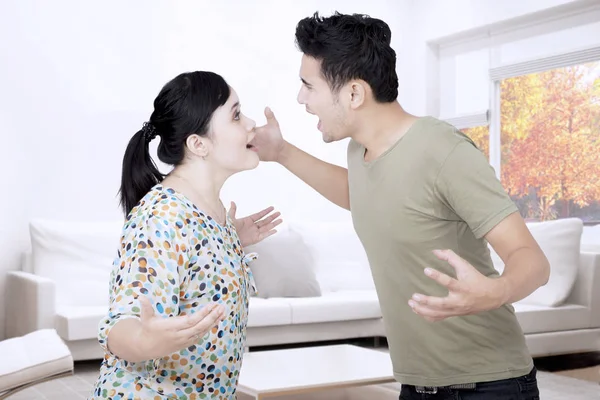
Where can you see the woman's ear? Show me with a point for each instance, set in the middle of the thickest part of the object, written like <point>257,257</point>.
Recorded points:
<point>198,145</point>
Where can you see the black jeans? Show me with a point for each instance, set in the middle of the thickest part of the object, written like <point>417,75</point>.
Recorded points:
<point>521,388</point>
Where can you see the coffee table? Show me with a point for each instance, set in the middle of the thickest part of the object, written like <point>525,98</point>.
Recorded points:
<point>273,373</point>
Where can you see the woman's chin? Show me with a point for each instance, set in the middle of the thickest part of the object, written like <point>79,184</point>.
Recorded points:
<point>251,162</point>
<point>255,160</point>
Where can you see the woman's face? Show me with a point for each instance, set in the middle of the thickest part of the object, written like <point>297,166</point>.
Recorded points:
<point>229,138</point>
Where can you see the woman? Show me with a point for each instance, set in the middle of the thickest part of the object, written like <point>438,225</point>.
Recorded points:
<point>176,324</point>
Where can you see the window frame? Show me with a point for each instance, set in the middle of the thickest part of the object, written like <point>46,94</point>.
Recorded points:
<point>490,37</point>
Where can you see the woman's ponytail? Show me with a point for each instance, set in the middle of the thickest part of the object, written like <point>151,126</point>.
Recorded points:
<point>140,173</point>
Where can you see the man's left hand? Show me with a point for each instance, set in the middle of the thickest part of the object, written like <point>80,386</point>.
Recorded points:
<point>469,293</point>
<point>255,228</point>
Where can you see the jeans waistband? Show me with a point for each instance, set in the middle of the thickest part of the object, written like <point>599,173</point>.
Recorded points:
<point>434,389</point>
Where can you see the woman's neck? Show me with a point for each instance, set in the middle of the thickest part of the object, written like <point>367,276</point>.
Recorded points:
<point>201,187</point>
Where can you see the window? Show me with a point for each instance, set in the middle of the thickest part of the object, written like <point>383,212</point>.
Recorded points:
<point>550,142</point>
<point>542,132</point>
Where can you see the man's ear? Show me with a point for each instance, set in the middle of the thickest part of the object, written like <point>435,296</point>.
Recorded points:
<point>358,93</point>
<point>198,145</point>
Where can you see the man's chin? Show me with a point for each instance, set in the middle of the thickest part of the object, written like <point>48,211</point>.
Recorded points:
<point>327,138</point>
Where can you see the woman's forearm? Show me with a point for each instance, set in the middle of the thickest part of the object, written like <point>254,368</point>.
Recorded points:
<point>126,341</point>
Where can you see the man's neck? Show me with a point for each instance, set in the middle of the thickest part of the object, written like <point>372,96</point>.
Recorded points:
<point>383,126</point>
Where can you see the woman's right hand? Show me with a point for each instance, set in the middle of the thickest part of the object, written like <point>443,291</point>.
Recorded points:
<point>160,336</point>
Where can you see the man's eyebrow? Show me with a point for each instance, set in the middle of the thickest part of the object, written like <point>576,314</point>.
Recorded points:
<point>306,83</point>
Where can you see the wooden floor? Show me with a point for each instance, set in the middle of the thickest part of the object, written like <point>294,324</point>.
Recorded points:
<point>591,374</point>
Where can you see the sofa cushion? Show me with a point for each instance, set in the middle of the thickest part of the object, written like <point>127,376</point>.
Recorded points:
<point>560,241</point>
<point>284,267</point>
<point>32,358</point>
<point>340,259</point>
<point>269,312</point>
<point>335,306</point>
<point>590,239</point>
<point>77,256</point>
<point>81,322</point>
<point>538,319</point>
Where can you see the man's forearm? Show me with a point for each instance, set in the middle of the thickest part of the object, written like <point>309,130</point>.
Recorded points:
<point>329,180</point>
<point>526,270</point>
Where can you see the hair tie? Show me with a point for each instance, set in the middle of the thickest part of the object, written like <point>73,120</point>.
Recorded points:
<point>149,131</point>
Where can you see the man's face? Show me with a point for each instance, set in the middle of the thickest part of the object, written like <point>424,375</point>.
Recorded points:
<point>316,95</point>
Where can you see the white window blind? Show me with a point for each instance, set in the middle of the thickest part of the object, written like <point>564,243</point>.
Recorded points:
<point>544,64</point>
<point>470,121</point>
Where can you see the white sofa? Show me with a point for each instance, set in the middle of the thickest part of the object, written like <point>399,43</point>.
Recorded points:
<point>63,284</point>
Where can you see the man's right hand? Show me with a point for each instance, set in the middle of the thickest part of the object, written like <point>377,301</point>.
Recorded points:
<point>268,140</point>
<point>329,180</point>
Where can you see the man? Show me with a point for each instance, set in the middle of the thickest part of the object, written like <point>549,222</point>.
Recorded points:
<point>425,202</point>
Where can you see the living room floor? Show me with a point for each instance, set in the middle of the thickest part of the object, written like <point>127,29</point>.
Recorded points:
<point>79,385</point>
<point>579,366</point>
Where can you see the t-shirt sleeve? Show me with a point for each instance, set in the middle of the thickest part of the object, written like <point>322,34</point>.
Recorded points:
<point>150,265</point>
<point>468,186</point>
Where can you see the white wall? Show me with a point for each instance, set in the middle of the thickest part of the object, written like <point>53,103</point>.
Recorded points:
<point>79,78</point>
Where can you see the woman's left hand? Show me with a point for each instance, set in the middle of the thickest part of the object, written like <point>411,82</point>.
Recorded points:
<point>254,228</point>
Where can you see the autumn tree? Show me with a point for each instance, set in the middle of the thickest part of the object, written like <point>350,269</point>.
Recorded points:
<point>521,99</point>
<point>550,140</point>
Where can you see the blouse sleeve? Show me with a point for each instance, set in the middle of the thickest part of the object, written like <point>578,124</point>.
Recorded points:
<point>151,259</point>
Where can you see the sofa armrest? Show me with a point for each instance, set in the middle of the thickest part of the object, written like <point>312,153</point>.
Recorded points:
<point>30,303</point>
<point>586,290</point>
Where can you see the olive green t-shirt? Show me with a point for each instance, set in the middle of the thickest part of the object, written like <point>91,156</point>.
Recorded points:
<point>434,189</point>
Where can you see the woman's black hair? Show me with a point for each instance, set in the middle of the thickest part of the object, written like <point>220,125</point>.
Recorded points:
<point>183,107</point>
